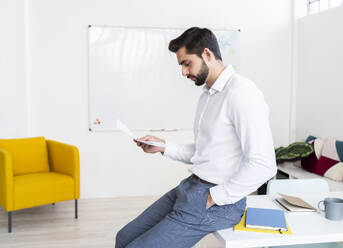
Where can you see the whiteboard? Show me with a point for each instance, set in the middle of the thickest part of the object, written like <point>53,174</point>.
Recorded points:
<point>133,77</point>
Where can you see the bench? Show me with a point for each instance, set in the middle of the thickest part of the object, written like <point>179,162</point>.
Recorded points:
<point>294,172</point>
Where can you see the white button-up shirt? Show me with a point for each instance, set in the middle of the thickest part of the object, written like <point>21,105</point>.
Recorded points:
<point>233,145</point>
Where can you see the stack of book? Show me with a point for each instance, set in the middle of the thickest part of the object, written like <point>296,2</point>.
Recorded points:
<point>263,220</point>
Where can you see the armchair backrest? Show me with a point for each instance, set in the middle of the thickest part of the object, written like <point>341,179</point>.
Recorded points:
<point>29,155</point>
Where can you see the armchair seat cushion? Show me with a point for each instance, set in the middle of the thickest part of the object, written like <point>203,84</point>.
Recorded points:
<point>37,189</point>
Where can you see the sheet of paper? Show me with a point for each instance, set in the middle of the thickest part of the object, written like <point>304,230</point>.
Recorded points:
<point>122,127</point>
<point>296,201</point>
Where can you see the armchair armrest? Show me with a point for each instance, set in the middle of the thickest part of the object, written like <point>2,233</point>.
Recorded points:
<point>6,180</point>
<point>64,158</point>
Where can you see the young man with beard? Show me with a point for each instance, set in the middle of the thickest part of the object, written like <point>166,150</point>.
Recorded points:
<point>232,154</point>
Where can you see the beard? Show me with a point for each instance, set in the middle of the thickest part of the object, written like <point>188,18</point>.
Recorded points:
<point>200,78</point>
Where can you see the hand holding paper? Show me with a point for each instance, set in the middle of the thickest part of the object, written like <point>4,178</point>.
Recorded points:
<point>122,127</point>
<point>150,140</point>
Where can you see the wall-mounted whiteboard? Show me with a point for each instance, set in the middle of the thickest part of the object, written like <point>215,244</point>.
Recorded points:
<point>133,77</point>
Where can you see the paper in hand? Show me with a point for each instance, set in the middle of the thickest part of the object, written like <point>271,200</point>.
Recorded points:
<point>122,127</point>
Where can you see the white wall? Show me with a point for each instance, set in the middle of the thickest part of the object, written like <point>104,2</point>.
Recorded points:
<point>110,164</point>
<point>299,9</point>
<point>320,75</point>
<point>13,102</point>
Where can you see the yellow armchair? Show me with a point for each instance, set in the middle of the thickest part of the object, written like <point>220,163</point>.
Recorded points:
<point>35,172</point>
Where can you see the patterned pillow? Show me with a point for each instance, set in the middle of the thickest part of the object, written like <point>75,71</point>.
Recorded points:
<point>330,163</point>
<point>310,162</point>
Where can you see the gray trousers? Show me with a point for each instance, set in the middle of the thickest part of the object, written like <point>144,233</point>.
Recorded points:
<point>179,219</point>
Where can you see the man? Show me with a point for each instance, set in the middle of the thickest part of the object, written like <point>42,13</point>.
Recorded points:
<point>232,155</point>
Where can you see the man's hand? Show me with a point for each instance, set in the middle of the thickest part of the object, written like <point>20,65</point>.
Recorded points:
<point>209,202</point>
<point>148,148</point>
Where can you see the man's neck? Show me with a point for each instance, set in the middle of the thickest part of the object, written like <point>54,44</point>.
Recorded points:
<point>215,74</point>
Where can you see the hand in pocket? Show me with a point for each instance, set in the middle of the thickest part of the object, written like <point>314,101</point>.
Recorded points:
<point>209,202</point>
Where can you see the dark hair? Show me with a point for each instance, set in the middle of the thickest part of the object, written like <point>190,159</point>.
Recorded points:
<point>196,40</point>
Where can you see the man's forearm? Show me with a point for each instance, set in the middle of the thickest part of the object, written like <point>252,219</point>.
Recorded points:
<point>182,153</point>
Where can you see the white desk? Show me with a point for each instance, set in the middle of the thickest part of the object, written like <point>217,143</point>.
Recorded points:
<point>308,227</point>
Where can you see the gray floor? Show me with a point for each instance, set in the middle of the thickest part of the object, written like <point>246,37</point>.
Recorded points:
<point>55,226</point>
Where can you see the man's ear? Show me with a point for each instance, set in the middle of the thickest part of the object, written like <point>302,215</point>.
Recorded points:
<point>207,55</point>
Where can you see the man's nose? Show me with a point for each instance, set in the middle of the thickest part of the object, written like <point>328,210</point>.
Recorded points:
<point>185,72</point>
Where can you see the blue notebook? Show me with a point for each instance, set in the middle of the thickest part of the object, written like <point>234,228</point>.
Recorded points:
<point>263,218</point>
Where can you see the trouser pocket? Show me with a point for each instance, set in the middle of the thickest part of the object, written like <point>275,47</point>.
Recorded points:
<point>191,198</point>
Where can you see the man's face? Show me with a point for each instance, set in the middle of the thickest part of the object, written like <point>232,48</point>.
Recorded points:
<point>193,67</point>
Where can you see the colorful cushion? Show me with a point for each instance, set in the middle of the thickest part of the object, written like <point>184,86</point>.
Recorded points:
<point>310,162</point>
<point>293,152</point>
<point>29,155</point>
<point>330,163</point>
<point>327,159</point>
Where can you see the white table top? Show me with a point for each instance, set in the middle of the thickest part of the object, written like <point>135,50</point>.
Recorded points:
<point>307,227</point>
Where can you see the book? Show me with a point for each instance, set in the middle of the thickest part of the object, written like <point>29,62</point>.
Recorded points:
<point>264,218</point>
<point>294,204</point>
<point>240,226</point>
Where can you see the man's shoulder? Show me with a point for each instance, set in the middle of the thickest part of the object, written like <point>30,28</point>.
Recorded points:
<point>241,85</point>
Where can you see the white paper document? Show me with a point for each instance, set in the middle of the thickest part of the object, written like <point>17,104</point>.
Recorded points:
<point>122,127</point>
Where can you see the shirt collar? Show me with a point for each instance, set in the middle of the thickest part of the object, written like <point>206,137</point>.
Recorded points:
<point>221,81</point>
